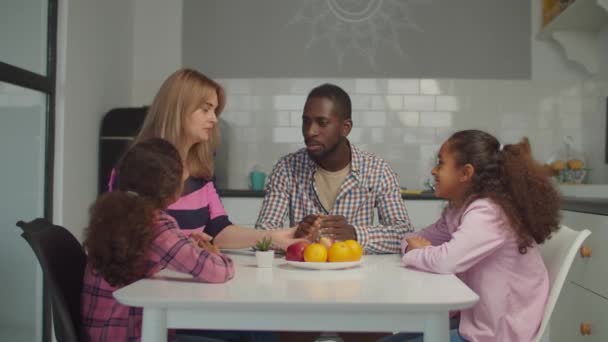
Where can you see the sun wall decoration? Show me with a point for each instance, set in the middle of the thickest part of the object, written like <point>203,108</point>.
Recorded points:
<point>361,27</point>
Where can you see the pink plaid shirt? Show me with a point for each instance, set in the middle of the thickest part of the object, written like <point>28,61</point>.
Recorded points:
<point>370,184</point>
<point>104,319</point>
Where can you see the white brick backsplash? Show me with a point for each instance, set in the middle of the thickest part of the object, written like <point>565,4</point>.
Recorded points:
<point>406,120</point>
<point>236,86</point>
<point>428,153</point>
<point>287,135</point>
<point>374,119</point>
<point>435,119</point>
<point>355,135</point>
<point>295,119</point>
<point>425,135</point>
<point>426,103</point>
<point>250,135</point>
<point>429,87</point>
<point>361,102</point>
<point>283,118</point>
<point>409,119</point>
<point>238,119</point>
<point>289,102</point>
<point>378,103</point>
<point>377,136</point>
<point>570,120</point>
<point>394,102</point>
<point>570,104</point>
<point>403,86</point>
<point>447,103</point>
<point>410,137</point>
<point>367,86</point>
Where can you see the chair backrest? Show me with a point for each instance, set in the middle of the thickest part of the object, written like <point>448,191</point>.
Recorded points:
<point>558,254</point>
<point>63,261</point>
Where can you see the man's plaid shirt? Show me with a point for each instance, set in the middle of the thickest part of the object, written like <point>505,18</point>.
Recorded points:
<point>371,184</point>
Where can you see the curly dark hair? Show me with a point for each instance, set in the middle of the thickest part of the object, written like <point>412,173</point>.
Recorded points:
<point>512,179</point>
<point>119,231</point>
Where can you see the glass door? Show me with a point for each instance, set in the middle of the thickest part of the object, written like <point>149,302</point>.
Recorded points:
<point>27,100</point>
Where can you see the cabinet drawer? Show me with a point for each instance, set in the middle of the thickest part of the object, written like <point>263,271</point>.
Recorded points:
<point>590,272</point>
<point>575,306</point>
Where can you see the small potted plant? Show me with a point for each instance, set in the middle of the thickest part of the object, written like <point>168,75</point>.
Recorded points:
<point>263,252</point>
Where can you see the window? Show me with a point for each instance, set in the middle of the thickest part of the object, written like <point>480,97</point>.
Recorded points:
<point>28,34</point>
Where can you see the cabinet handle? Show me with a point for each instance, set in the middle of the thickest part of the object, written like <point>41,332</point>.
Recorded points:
<point>585,329</point>
<point>585,252</point>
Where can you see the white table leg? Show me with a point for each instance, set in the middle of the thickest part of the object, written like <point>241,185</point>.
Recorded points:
<point>154,325</point>
<point>437,328</point>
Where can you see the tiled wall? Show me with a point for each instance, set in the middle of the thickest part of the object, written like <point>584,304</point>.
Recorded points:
<point>406,120</point>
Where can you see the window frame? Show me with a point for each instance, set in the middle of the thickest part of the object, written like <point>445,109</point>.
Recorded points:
<point>46,85</point>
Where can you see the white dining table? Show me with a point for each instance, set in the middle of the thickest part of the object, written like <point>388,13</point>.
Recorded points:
<point>380,295</point>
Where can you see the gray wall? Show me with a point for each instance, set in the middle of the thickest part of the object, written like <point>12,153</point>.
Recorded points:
<point>358,38</point>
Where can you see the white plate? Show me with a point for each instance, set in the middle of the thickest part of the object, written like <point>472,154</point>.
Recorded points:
<point>324,265</point>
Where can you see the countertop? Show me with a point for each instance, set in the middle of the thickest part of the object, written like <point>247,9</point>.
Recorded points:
<point>261,193</point>
<point>590,205</point>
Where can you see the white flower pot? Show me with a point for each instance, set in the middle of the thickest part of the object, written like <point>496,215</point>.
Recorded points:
<point>264,258</point>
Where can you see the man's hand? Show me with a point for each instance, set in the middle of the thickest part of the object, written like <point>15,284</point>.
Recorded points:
<point>337,228</point>
<point>308,228</point>
<point>415,242</point>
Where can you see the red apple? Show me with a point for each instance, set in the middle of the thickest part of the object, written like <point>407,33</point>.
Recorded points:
<point>295,251</point>
<point>325,241</point>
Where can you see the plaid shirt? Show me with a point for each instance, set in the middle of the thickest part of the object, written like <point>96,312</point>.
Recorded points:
<point>371,184</point>
<point>104,319</point>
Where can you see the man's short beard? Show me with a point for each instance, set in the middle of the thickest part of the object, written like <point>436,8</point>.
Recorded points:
<point>324,154</point>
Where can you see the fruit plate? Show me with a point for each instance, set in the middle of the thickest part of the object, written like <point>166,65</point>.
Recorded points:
<point>324,265</point>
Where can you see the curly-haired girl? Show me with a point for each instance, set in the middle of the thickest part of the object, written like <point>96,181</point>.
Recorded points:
<point>502,205</point>
<point>130,237</point>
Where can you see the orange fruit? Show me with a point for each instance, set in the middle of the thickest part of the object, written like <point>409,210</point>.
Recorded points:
<point>315,252</point>
<point>339,252</point>
<point>355,248</point>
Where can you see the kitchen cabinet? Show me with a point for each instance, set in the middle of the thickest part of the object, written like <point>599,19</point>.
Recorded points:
<point>244,210</point>
<point>583,302</point>
<point>577,29</point>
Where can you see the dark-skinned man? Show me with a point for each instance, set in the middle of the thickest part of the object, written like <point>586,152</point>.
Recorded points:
<point>331,188</point>
<point>333,181</point>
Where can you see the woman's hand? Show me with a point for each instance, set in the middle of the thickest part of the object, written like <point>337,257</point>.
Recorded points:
<point>283,238</point>
<point>309,227</point>
<point>415,242</point>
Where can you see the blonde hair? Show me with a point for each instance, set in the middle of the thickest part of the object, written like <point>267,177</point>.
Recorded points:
<point>182,93</point>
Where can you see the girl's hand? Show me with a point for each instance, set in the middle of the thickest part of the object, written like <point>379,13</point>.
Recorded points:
<point>283,238</point>
<point>203,241</point>
<point>198,237</point>
<point>415,242</point>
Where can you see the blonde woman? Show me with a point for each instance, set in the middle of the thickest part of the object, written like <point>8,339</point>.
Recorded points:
<point>185,112</point>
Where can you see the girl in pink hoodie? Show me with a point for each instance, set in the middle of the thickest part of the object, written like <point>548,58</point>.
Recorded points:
<point>502,204</point>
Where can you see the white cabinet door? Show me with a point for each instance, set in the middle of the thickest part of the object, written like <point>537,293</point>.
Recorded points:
<point>590,272</point>
<point>577,305</point>
<point>242,211</point>
<point>424,212</point>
